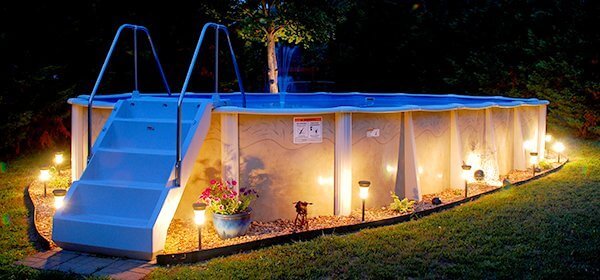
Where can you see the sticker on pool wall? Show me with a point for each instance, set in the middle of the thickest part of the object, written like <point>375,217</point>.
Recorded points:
<point>308,130</point>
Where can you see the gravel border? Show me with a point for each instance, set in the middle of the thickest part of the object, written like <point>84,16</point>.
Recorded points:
<point>203,255</point>
<point>229,249</point>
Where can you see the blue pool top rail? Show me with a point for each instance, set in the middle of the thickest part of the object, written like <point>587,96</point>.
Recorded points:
<point>135,29</point>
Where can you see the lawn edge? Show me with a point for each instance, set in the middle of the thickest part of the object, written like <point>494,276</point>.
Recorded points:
<point>38,238</point>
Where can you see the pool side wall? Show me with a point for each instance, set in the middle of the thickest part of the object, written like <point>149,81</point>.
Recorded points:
<point>414,154</point>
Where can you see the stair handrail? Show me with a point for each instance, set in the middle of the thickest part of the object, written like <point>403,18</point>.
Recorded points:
<point>217,27</point>
<point>135,29</point>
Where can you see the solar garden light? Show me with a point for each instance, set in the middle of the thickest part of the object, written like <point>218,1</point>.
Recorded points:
<point>558,147</point>
<point>465,174</point>
<point>363,193</point>
<point>548,139</point>
<point>44,176</point>
<point>199,219</point>
<point>59,198</point>
<point>533,160</point>
<point>58,160</point>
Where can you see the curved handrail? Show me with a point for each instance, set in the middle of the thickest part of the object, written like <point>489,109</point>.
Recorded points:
<point>217,27</point>
<point>135,28</point>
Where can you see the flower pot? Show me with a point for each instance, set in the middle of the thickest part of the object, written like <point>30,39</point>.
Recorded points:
<point>230,226</point>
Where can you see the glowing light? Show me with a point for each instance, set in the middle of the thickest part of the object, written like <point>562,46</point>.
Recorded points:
<point>346,192</point>
<point>558,147</point>
<point>199,213</point>
<point>59,198</point>
<point>529,145</point>
<point>325,181</point>
<point>420,170</point>
<point>363,189</point>
<point>390,168</point>
<point>439,175</point>
<point>548,138</point>
<point>533,159</point>
<point>44,174</point>
<point>59,158</point>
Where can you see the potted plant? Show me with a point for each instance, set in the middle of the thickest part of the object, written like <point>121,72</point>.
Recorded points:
<point>230,210</point>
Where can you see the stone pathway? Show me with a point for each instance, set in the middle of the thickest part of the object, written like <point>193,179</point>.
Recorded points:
<point>87,264</point>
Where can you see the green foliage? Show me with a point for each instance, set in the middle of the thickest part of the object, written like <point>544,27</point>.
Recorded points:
<point>401,206</point>
<point>544,165</point>
<point>298,22</point>
<point>58,180</point>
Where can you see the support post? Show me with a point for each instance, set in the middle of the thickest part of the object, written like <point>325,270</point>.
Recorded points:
<point>78,142</point>
<point>230,148</point>
<point>541,132</point>
<point>406,178</point>
<point>518,151</point>
<point>343,164</point>
<point>455,152</point>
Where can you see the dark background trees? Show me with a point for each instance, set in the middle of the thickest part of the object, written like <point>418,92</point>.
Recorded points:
<point>547,49</point>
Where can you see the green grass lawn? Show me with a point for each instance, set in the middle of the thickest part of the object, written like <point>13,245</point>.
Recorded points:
<point>549,228</point>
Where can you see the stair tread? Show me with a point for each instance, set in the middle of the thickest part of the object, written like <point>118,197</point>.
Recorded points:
<point>106,219</point>
<point>153,120</point>
<point>124,184</point>
<point>158,152</point>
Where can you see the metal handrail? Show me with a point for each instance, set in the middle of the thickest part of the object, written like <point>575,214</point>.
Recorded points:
<point>217,27</point>
<point>135,28</point>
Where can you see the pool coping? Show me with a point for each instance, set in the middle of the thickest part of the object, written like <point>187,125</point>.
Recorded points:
<point>204,255</point>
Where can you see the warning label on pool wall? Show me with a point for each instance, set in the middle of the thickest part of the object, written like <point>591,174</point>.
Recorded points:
<point>308,130</point>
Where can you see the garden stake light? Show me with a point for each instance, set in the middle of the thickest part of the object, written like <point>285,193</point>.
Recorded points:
<point>58,161</point>
<point>533,160</point>
<point>363,194</point>
<point>44,176</point>
<point>558,147</point>
<point>465,175</point>
<point>59,198</point>
<point>199,219</point>
<point>548,139</point>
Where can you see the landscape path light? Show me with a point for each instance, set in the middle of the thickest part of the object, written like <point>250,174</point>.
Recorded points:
<point>533,159</point>
<point>466,174</point>
<point>558,147</point>
<point>363,194</point>
<point>59,158</point>
<point>199,219</point>
<point>548,139</point>
<point>44,176</point>
<point>59,198</point>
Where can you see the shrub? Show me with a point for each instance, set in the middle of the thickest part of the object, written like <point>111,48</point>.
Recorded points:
<point>401,206</point>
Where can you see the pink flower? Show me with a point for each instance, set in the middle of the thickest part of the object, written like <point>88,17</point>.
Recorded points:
<point>213,181</point>
<point>234,182</point>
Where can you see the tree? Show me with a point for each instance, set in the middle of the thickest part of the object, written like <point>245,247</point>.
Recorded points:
<point>299,22</point>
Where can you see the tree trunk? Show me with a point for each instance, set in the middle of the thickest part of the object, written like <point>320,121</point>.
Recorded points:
<point>273,72</point>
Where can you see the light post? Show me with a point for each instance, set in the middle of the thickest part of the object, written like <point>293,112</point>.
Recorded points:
<point>363,194</point>
<point>465,174</point>
<point>199,219</point>
<point>44,176</point>
<point>548,139</point>
<point>59,198</point>
<point>533,160</point>
<point>558,147</point>
<point>59,158</point>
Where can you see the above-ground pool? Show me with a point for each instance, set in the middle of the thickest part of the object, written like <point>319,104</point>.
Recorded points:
<point>150,158</point>
<point>410,144</point>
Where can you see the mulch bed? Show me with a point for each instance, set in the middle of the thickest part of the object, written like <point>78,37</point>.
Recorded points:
<point>183,234</point>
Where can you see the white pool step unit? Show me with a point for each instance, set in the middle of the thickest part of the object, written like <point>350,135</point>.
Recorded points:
<point>125,199</point>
